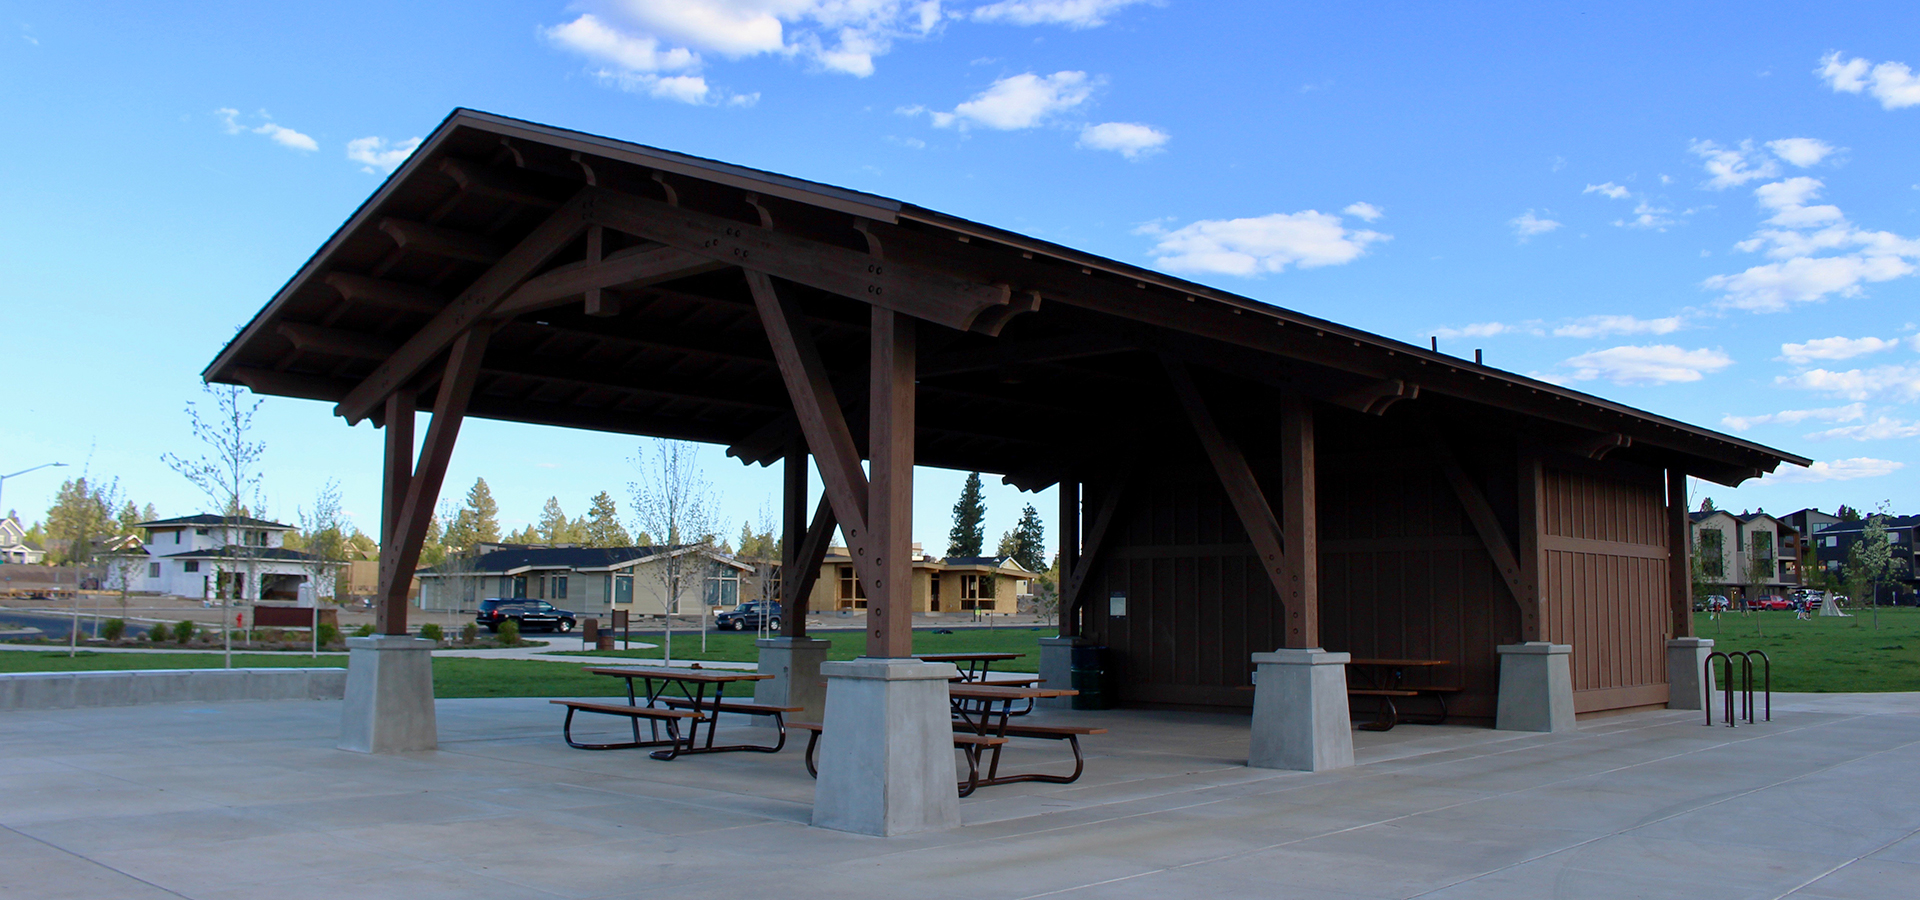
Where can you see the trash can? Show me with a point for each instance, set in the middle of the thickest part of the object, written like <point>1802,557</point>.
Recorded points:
<point>1088,676</point>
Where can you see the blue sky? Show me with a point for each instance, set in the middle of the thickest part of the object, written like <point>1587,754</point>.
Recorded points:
<point>1710,211</point>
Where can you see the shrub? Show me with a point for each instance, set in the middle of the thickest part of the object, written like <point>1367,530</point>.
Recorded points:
<point>158,632</point>
<point>431,631</point>
<point>113,629</point>
<point>363,631</point>
<point>470,631</point>
<point>183,632</point>
<point>328,634</point>
<point>509,632</point>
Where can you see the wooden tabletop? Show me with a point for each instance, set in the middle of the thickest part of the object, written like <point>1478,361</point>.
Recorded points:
<point>963,657</point>
<point>1397,663</point>
<point>701,676</point>
<point>974,690</point>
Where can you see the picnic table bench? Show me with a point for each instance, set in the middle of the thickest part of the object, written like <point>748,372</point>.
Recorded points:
<point>1386,679</point>
<point>974,712</point>
<point>693,708</point>
<point>670,717</point>
<point>969,746</point>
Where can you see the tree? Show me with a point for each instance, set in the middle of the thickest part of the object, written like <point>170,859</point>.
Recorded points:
<point>969,532</point>
<point>527,535</point>
<point>79,519</point>
<point>1706,504</point>
<point>1027,542</point>
<point>555,527</point>
<point>227,472</point>
<point>602,527</point>
<point>672,499</point>
<point>323,539</point>
<point>1847,514</point>
<point>478,522</point>
<point>1870,561</point>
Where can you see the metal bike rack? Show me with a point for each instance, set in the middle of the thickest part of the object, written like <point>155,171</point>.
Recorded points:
<point>1746,685</point>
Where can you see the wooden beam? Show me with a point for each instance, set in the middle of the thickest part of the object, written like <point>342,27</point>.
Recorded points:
<point>401,554</point>
<point>793,533</point>
<point>1028,352</point>
<point>1091,544</point>
<point>291,384</point>
<point>464,311</point>
<point>1376,398</point>
<point>1243,491</point>
<point>1485,522</point>
<point>1680,553</point>
<point>890,414</point>
<point>387,294</point>
<point>598,302</point>
<point>1069,549</point>
<point>806,571</point>
<point>420,237</point>
<point>1599,446</point>
<point>500,184</point>
<point>1299,521</point>
<point>918,291</point>
<point>336,341</point>
<point>1532,554</point>
<point>634,267</point>
<point>816,408</point>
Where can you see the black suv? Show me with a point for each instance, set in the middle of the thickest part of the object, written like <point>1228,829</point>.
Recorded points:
<point>749,615</point>
<point>533,615</point>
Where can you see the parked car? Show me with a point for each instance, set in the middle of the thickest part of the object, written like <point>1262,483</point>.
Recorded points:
<point>1774,602</point>
<point>1712,603</point>
<point>532,615</point>
<point>749,615</point>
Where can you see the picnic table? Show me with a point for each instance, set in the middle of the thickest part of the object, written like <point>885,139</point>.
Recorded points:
<point>1386,679</point>
<point>672,698</point>
<point>974,712</point>
<point>972,666</point>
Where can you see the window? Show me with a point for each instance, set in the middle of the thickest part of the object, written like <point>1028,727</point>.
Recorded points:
<point>623,588</point>
<point>176,536</point>
<point>153,570</point>
<point>1712,543</point>
<point>199,531</point>
<point>558,590</point>
<point>852,595</point>
<point>976,592</point>
<point>933,584</point>
<point>519,585</point>
<point>1833,540</point>
<point>192,565</point>
<point>723,589</point>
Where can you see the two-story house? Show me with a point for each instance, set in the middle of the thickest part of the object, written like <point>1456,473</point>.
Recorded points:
<point>1832,544</point>
<point>14,546</point>
<point>1741,555</point>
<point>240,557</point>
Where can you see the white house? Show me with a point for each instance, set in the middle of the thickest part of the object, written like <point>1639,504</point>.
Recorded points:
<point>14,547</point>
<point>204,556</point>
<point>591,581</point>
<point>1733,550</point>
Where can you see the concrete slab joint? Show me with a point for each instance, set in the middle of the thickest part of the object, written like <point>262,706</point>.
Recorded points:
<point>1056,668</point>
<point>886,751</point>
<point>389,696</point>
<point>1300,716</point>
<point>1536,687</point>
<point>794,664</point>
<point>1688,687</point>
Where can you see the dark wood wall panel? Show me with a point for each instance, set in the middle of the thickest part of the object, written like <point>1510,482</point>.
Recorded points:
<point>1605,579</point>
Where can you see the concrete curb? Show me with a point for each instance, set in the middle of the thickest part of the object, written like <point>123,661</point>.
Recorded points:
<point>140,687</point>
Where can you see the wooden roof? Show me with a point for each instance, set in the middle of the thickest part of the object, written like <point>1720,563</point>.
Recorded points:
<point>625,310</point>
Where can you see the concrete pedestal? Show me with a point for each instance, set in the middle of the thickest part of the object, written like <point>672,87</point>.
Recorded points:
<point>389,703</point>
<point>1300,717</point>
<point>1688,687</point>
<point>794,664</point>
<point>886,754</point>
<point>1056,669</point>
<point>1536,688</point>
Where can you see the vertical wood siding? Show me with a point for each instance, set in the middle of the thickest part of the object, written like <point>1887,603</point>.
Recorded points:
<point>1606,582</point>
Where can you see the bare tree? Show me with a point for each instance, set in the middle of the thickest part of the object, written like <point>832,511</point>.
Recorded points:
<point>323,540</point>
<point>673,502</point>
<point>228,474</point>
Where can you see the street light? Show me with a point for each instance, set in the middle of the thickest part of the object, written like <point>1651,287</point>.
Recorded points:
<point>3,478</point>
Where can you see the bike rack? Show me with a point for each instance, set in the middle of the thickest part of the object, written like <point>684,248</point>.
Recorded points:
<point>1746,685</point>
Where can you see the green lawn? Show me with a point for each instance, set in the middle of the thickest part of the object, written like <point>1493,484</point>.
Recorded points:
<point>453,677</point>
<point>728,646</point>
<point>1826,653</point>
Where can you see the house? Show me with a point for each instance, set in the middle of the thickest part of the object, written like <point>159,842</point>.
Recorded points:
<point>14,547</point>
<point>1832,544</point>
<point>1734,549</point>
<point>591,581</point>
<point>210,556</point>
<point>957,584</point>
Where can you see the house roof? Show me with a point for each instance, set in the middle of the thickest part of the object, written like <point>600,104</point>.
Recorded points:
<point>235,551</point>
<point>510,559</point>
<point>1023,330</point>
<point>1861,524</point>
<point>204,520</point>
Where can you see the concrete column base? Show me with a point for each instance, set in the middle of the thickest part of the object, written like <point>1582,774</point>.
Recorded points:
<point>1536,688</point>
<point>1688,687</point>
<point>388,706</point>
<point>1300,717</point>
<point>794,664</point>
<point>886,754</point>
<point>1056,669</point>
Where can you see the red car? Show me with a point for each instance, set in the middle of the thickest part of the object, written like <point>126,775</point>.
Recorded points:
<point>1774,602</point>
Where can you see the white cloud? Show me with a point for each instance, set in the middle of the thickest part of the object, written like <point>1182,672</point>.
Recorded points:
<point>1802,231</point>
<point>1788,201</point>
<point>1833,348</point>
<point>1835,470</point>
<point>1891,83</point>
<point>1733,166</point>
<point>1898,383</point>
<point>1646,215</point>
<point>593,38</point>
<point>1020,101</point>
<point>379,156</point>
<point>1255,246</point>
<point>1881,429</point>
<point>1608,190</point>
<point>1775,286</point>
<point>1603,326</point>
<point>1656,364</point>
<point>1802,152</point>
<point>1071,13</point>
<point>1130,139</point>
<point>229,120</point>
<point>1482,329</point>
<point>1850,412</point>
<point>1364,211</point>
<point>1526,225</point>
<point>279,134</point>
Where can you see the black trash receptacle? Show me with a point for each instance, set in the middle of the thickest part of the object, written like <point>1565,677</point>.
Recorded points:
<point>1088,676</point>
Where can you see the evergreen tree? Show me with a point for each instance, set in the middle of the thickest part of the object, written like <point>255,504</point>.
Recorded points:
<point>527,535</point>
<point>433,548</point>
<point>555,527</point>
<point>478,522</point>
<point>80,518</point>
<point>1706,504</point>
<point>1848,514</point>
<point>1026,543</point>
<point>969,520</point>
<point>602,525</point>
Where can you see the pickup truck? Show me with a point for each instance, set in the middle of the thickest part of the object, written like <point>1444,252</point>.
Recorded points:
<point>532,615</point>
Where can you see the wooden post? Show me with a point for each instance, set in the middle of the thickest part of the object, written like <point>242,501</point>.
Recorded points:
<point>890,486</point>
<point>1532,555</point>
<point>793,530</point>
<point>1069,551</point>
<point>1298,523</point>
<point>396,478</point>
<point>1679,553</point>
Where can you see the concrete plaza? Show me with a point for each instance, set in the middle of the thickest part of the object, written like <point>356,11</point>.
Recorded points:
<point>251,800</point>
